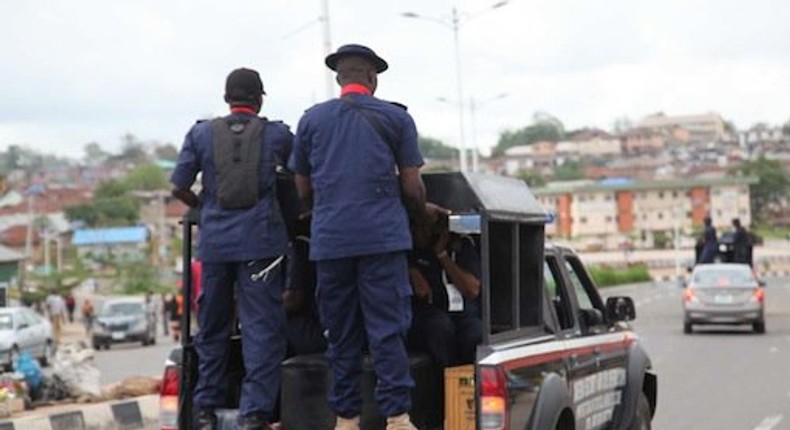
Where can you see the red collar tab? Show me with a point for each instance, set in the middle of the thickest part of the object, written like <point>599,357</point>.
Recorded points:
<point>355,89</point>
<point>243,109</point>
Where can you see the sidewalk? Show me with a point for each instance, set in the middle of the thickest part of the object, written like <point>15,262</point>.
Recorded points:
<point>130,413</point>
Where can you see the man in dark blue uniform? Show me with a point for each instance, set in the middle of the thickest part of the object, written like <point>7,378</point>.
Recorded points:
<point>444,269</point>
<point>357,167</point>
<point>242,241</point>
<point>710,243</point>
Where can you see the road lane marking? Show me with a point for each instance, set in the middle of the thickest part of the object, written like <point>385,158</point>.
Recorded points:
<point>769,422</point>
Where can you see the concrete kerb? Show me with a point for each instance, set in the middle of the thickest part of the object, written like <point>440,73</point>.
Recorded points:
<point>132,413</point>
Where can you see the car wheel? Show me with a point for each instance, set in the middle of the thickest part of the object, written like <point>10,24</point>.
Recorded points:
<point>687,329</point>
<point>49,352</point>
<point>759,327</point>
<point>643,415</point>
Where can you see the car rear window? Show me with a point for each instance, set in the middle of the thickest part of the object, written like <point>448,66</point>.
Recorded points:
<point>723,278</point>
<point>123,309</point>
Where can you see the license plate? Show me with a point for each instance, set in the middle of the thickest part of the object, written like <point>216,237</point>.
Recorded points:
<point>118,335</point>
<point>724,299</point>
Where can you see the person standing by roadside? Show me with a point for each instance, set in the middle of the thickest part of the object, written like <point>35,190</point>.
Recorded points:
<point>710,243</point>
<point>242,242</point>
<point>87,315</point>
<point>71,306</point>
<point>165,304</point>
<point>357,169</point>
<point>741,243</point>
<point>56,309</point>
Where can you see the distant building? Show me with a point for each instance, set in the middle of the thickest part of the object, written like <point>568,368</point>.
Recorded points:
<point>701,128</point>
<point>122,243</point>
<point>593,143</point>
<point>615,209</point>
<point>538,157</point>
<point>643,140</point>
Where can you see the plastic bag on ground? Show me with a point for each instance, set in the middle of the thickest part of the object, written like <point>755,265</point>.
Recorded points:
<point>73,364</point>
<point>28,366</point>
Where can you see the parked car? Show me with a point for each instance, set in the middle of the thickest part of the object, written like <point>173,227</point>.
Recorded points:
<point>123,320</point>
<point>22,330</point>
<point>726,293</point>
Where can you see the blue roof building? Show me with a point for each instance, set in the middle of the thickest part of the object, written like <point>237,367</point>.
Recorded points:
<point>110,236</point>
<point>125,243</point>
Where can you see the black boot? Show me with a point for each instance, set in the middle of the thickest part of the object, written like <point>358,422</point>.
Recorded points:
<point>206,420</point>
<point>253,422</point>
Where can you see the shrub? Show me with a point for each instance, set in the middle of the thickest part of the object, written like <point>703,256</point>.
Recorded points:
<point>606,276</point>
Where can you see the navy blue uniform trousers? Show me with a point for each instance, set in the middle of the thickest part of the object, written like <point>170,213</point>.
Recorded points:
<point>367,295</point>
<point>262,320</point>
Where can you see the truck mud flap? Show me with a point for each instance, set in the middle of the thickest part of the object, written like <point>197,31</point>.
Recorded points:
<point>638,369</point>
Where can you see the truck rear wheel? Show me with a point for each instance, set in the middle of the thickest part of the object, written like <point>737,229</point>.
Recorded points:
<point>643,414</point>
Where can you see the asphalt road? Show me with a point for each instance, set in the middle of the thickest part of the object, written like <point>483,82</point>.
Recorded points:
<point>719,378</point>
<point>132,359</point>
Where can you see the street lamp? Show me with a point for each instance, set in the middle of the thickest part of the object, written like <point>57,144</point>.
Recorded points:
<point>454,24</point>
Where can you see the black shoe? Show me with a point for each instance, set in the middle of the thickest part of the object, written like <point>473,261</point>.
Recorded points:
<point>206,420</point>
<point>253,422</point>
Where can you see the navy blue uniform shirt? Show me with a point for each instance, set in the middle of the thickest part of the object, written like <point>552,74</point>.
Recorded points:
<point>243,234</point>
<point>357,207</point>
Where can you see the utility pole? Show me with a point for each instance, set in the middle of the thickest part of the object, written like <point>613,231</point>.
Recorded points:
<point>327,47</point>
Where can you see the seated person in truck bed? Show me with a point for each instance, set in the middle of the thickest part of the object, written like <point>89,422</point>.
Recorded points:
<point>444,269</point>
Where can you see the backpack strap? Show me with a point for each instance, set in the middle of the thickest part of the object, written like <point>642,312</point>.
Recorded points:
<point>374,122</point>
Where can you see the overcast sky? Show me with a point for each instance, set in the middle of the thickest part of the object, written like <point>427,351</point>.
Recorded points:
<point>81,71</point>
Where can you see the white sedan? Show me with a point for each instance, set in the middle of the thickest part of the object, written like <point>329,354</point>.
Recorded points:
<point>21,329</point>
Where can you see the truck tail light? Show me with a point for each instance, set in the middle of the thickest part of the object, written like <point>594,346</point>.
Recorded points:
<point>168,399</point>
<point>689,295</point>
<point>493,399</point>
<point>759,295</point>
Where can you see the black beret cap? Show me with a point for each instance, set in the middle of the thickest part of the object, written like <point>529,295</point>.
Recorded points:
<point>356,51</point>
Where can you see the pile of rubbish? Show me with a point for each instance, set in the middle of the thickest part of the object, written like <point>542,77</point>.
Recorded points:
<point>73,377</point>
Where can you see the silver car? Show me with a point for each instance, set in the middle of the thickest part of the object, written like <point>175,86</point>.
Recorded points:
<point>22,330</point>
<point>123,320</point>
<point>724,294</point>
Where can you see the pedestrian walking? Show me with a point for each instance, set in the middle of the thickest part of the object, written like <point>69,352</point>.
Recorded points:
<point>242,242</point>
<point>87,315</point>
<point>165,299</point>
<point>56,309</point>
<point>357,169</point>
<point>71,306</point>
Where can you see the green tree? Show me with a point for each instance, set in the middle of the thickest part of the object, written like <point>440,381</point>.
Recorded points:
<point>94,154</point>
<point>533,179</point>
<point>544,127</point>
<point>773,185</point>
<point>786,128</point>
<point>147,177</point>
<point>110,189</point>
<point>133,150</point>
<point>570,170</point>
<point>166,151</point>
<point>435,148</point>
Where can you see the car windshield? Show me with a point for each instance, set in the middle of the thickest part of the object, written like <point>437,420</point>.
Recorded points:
<point>723,277</point>
<point>6,322</point>
<point>122,309</point>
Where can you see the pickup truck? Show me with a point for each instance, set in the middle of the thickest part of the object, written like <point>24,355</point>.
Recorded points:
<point>554,356</point>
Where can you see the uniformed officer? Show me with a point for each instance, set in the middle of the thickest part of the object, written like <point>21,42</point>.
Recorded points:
<point>357,166</point>
<point>242,241</point>
<point>710,243</point>
<point>444,269</point>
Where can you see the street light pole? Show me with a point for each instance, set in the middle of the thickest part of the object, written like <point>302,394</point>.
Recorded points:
<point>327,47</point>
<point>454,25</point>
<point>460,92</point>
